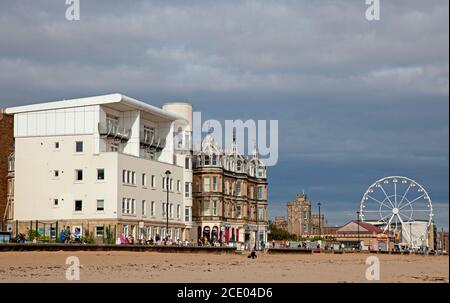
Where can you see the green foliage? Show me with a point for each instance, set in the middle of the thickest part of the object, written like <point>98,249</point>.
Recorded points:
<point>280,234</point>
<point>32,234</point>
<point>110,236</point>
<point>88,238</point>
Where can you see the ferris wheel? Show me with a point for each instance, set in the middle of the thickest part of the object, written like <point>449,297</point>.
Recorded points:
<point>392,202</point>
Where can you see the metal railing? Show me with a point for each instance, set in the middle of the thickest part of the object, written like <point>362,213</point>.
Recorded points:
<point>114,131</point>
<point>152,141</point>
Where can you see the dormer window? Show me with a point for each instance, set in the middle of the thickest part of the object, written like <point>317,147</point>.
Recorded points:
<point>214,160</point>
<point>239,165</point>
<point>207,160</point>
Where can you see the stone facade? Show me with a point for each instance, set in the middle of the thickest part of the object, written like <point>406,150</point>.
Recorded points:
<point>229,196</point>
<point>6,148</point>
<point>300,219</point>
<point>280,222</point>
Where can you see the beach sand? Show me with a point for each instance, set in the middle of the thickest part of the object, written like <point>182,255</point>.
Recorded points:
<point>184,267</point>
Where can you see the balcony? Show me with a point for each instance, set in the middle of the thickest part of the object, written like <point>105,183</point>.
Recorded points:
<point>114,132</point>
<point>152,141</point>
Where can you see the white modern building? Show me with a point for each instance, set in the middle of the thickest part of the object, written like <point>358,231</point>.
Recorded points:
<point>100,163</point>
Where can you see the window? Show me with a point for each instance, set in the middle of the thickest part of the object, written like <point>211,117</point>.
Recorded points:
<point>164,210</point>
<point>214,208</point>
<point>78,205</point>
<point>164,183</point>
<point>127,210</point>
<point>260,214</point>
<point>171,210</point>
<point>144,208</point>
<point>238,188</point>
<point>79,175</point>
<point>238,211</point>
<point>206,186</point>
<point>99,231</point>
<point>79,146</point>
<point>133,206</point>
<point>187,189</point>
<point>153,181</point>
<point>129,177</point>
<point>178,211</point>
<point>171,184</point>
<point>100,205</point>
<point>152,208</point>
<point>214,160</point>
<point>124,202</point>
<point>214,183</point>
<point>112,122</point>
<point>149,133</point>
<point>199,180</point>
<point>100,174</point>
<point>239,165</point>
<point>55,202</point>
<point>187,216</point>
<point>56,173</point>
<point>187,164</point>
<point>260,192</point>
<point>144,180</point>
<point>178,185</point>
<point>56,145</point>
<point>206,160</point>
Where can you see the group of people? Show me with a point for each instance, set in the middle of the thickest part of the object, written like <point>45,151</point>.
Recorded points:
<point>66,235</point>
<point>157,240</point>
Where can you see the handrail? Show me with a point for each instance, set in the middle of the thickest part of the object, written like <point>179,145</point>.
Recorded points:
<point>114,131</point>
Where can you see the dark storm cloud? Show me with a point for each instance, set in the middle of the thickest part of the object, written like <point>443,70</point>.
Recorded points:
<point>355,100</point>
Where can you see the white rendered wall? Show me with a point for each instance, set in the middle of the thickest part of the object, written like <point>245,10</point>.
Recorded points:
<point>36,186</point>
<point>148,193</point>
<point>69,121</point>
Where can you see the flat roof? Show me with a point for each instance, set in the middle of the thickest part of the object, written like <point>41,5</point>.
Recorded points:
<point>96,100</point>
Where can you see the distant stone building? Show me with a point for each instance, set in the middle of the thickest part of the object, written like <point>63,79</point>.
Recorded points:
<point>317,224</point>
<point>6,150</point>
<point>300,219</point>
<point>442,240</point>
<point>280,222</point>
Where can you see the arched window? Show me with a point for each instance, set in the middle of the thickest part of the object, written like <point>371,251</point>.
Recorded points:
<point>207,232</point>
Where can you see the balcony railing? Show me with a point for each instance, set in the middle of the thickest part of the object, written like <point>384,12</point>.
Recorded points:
<point>114,131</point>
<point>152,141</point>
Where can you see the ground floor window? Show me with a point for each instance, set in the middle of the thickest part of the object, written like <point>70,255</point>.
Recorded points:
<point>155,233</point>
<point>148,232</point>
<point>99,231</point>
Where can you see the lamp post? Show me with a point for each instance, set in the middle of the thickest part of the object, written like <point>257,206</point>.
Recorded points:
<point>320,230</point>
<point>167,206</point>
<point>357,213</point>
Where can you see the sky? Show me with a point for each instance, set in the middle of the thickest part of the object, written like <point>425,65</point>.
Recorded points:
<point>355,100</point>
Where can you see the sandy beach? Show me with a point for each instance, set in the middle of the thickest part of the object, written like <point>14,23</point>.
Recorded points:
<point>170,267</point>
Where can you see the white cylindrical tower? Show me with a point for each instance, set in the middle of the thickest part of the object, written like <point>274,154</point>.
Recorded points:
<point>182,109</point>
<point>183,157</point>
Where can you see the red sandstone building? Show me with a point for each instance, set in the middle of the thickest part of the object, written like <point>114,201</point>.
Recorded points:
<point>6,166</point>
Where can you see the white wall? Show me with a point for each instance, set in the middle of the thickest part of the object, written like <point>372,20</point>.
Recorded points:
<point>69,121</point>
<point>148,193</point>
<point>36,186</point>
